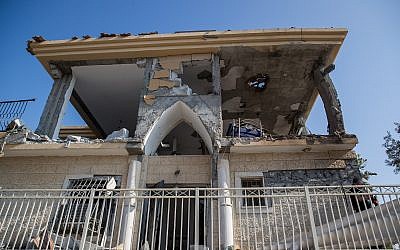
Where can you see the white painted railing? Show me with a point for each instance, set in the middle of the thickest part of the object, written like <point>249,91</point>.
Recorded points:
<point>195,218</point>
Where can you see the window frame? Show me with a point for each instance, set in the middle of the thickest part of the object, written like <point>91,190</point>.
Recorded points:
<point>239,176</point>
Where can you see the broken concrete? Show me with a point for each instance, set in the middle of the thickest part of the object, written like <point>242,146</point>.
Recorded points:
<point>53,112</point>
<point>330,99</point>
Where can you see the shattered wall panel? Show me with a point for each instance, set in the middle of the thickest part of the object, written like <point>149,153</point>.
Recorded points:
<point>313,177</point>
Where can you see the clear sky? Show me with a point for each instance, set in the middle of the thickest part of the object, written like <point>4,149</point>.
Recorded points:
<point>367,67</point>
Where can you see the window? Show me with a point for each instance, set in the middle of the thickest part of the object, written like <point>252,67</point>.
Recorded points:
<point>73,212</point>
<point>256,199</point>
<point>252,197</point>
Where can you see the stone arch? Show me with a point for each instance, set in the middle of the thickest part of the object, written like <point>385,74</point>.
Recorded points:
<point>168,120</point>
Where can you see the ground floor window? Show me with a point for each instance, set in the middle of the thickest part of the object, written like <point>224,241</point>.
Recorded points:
<point>253,189</point>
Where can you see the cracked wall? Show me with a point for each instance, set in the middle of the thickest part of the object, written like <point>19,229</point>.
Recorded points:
<point>165,89</point>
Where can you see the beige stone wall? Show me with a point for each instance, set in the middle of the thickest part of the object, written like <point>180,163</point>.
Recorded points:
<point>50,172</point>
<point>194,169</point>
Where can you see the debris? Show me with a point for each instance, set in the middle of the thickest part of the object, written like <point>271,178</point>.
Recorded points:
<point>74,38</point>
<point>125,34</point>
<point>38,39</point>
<point>74,138</point>
<point>149,99</point>
<point>77,138</point>
<point>103,34</point>
<point>14,124</point>
<point>38,138</point>
<point>259,82</point>
<point>86,37</point>
<point>16,137</point>
<point>121,134</point>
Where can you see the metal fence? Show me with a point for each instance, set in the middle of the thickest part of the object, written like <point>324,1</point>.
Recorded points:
<point>10,110</point>
<point>342,217</point>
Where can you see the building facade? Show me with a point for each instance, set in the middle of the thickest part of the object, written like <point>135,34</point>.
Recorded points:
<point>193,140</point>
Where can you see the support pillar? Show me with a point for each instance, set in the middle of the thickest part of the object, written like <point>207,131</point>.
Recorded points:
<point>226,220</point>
<point>56,105</point>
<point>130,204</point>
<point>331,101</point>
<point>216,75</point>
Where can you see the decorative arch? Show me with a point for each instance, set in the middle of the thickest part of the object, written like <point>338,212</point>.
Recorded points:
<point>168,120</point>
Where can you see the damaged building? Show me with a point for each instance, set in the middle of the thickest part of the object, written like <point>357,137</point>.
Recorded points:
<point>193,140</point>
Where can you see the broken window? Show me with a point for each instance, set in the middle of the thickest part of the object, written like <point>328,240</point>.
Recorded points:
<point>72,213</point>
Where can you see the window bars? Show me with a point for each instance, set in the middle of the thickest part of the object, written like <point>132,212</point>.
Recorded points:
<point>10,110</point>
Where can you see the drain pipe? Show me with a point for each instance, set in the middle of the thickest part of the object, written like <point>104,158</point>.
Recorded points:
<point>130,206</point>
<point>226,225</point>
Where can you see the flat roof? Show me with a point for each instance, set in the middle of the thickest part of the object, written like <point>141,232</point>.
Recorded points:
<point>155,45</point>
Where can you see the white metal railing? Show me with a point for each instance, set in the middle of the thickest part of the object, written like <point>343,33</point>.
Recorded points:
<point>340,217</point>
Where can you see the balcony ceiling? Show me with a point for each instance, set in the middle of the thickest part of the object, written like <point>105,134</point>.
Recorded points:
<point>289,92</point>
<point>111,93</point>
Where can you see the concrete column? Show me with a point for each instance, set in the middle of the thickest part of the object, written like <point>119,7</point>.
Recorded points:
<point>54,110</point>
<point>130,205</point>
<point>226,220</point>
<point>216,75</point>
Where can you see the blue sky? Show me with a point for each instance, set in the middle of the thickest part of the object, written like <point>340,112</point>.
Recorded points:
<point>367,66</point>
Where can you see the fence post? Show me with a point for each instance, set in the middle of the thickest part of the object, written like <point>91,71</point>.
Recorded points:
<point>87,220</point>
<point>196,218</point>
<point>311,215</point>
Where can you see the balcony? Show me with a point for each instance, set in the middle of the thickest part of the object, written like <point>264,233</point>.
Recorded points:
<point>328,217</point>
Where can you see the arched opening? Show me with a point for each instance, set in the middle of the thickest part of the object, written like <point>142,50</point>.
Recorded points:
<point>170,122</point>
<point>182,140</point>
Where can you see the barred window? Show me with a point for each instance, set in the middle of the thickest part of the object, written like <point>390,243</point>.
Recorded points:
<point>256,198</point>
<point>73,210</point>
